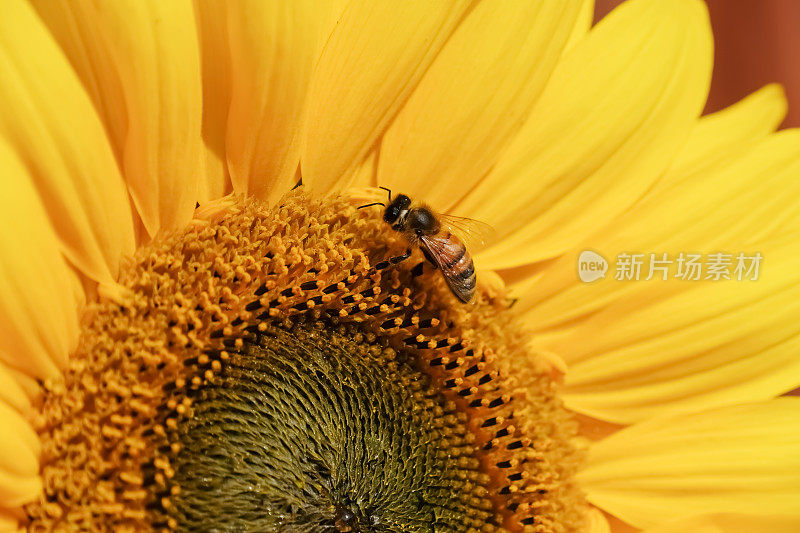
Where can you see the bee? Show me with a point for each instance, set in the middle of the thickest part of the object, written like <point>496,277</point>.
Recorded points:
<point>435,235</point>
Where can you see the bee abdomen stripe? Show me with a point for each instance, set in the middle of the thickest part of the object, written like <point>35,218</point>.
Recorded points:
<point>462,250</point>
<point>468,272</point>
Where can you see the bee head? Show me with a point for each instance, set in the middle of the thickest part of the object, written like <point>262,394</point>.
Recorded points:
<point>396,207</point>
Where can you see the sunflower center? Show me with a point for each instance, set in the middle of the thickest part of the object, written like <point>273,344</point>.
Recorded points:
<point>319,429</point>
<point>289,369</point>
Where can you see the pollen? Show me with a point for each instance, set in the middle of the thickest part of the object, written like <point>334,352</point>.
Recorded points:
<point>288,368</point>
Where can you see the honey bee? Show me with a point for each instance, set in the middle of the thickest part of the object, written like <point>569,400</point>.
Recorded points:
<point>435,235</point>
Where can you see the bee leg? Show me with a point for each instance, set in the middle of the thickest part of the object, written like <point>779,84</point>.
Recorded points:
<point>420,267</point>
<point>417,270</point>
<point>401,258</point>
<point>386,263</point>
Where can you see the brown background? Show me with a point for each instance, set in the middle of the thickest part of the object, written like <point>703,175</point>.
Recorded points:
<point>756,42</point>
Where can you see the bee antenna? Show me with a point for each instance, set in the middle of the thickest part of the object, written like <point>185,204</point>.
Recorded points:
<point>370,205</point>
<point>387,190</point>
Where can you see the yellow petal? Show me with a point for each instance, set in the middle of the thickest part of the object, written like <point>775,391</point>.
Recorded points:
<point>273,48</point>
<point>18,490</point>
<point>719,136</point>
<point>372,62</point>
<point>618,107</point>
<point>740,459</point>
<point>474,98</point>
<point>20,447</point>
<point>11,393</point>
<point>19,464</point>
<point>50,122</point>
<point>747,198</point>
<point>29,385</point>
<point>715,140</point>
<point>212,31</point>
<point>731,523</point>
<point>140,60</point>
<point>365,175</point>
<point>638,348</point>
<point>10,520</point>
<point>702,347</point>
<point>596,522</point>
<point>582,23</point>
<point>39,296</point>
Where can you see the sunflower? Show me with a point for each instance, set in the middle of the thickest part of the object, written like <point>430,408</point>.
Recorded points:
<point>201,331</point>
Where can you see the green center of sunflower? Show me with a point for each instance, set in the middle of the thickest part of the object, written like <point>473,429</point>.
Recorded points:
<point>288,370</point>
<point>322,430</point>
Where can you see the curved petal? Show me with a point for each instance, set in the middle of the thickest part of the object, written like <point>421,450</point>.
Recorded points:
<point>715,139</point>
<point>637,348</point>
<point>29,385</point>
<point>19,463</point>
<point>740,459</point>
<point>596,522</point>
<point>746,200</point>
<point>365,176</point>
<point>212,31</point>
<point>582,24</point>
<point>10,520</point>
<point>140,62</point>
<point>721,135</point>
<point>474,98</point>
<point>273,48</point>
<point>11,393</point>
<point>373,60</point>
<point>713,344</point>
<point>39,293</point>
<point>49,121</point>
<point>605,128</point>
<point>731,523</point>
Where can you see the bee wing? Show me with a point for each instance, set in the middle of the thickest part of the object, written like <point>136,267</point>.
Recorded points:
<point>475,234</point>
<point>446,253</point>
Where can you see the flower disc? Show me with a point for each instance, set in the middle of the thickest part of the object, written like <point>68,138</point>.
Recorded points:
<point>289,369</point>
